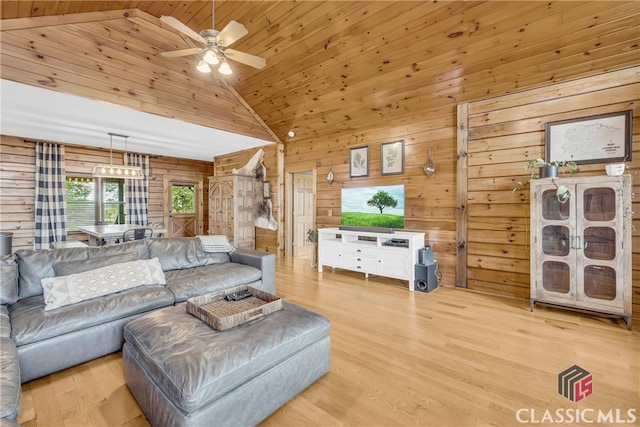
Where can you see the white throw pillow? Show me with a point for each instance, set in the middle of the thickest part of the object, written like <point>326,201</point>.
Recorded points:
<point>74,288</point>
<point>216,243</point>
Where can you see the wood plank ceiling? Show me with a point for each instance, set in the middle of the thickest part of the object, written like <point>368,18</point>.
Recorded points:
<point>333,67</point>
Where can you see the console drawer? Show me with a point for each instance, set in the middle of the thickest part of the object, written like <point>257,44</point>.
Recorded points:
<point>360,262</point>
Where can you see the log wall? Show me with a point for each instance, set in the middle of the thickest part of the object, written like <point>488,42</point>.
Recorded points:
<point>17,183</point>
<point>501,135</point>
<point>430,203</point>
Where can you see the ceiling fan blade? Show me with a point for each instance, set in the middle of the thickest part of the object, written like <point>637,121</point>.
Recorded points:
<point>231,33</point>
<point>182,52</point>
<point>173,22</point>
<point>245,58</point>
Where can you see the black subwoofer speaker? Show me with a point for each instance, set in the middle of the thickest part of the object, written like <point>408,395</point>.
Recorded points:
<point>426,277</point>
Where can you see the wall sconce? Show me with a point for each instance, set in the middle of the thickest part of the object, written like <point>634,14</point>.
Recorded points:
<point>430,166</point>
<point>117,171</point>
<point>330,176</point>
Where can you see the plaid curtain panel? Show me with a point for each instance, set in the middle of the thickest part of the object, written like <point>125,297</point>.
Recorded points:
<point>50,195</point>
<point>137,190</point>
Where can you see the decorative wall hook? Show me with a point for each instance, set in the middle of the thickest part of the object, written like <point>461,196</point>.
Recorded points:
<point>429,166</point>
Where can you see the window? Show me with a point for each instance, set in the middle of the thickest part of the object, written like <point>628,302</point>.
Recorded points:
<point>93,201</point>
<point>113,208</point>
<point>183,198</point>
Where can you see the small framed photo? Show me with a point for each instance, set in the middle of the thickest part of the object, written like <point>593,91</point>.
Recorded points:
<point>392,158</point>
<point>266,190</point>
<point>593,139</point>
<point>359,162</point>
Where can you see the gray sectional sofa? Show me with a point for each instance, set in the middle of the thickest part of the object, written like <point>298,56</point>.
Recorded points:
<point>35,341</point>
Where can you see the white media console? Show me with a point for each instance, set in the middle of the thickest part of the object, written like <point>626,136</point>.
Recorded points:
<point>383,254</point>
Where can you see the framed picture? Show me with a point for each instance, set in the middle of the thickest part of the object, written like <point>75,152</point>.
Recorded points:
<point>392,158</point>
<point>359,162</point>
<point>593,139</point>
<point>266,190</point>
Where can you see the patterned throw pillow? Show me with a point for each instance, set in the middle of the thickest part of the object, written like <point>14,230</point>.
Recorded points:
<point>216,243</point>
<point>65,268</point>
<point>66,290</point>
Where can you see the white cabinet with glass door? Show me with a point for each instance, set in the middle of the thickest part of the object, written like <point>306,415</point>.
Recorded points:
<point>581,249</point>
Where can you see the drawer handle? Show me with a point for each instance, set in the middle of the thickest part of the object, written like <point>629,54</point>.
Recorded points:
<point>359,259</point>
<point>359,250</point>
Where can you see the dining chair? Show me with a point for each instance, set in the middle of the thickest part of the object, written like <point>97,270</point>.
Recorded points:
<point>102,241</point>
<point>137,234</point>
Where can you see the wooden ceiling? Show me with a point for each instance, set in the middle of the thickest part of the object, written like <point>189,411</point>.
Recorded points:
<point>333,67</point>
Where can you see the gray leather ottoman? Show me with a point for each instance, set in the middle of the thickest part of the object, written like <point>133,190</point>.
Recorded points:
<point>184,373</point>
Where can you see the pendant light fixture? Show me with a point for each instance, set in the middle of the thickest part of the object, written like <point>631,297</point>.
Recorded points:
<point>117,171</point>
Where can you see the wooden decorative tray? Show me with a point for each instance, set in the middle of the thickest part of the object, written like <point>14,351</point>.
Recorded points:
<point>220,314</point>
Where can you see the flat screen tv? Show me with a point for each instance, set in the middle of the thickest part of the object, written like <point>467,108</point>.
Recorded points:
<point>373,206</point>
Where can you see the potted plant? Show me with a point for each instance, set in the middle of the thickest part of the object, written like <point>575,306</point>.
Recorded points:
<point>550,170</point>
<point>312,236</point>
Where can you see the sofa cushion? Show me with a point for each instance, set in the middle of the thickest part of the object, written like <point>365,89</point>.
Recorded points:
<point>10,388</point>
<point>31,323</point>
<point>8,279</point>
<point>138,246</point>
<point>66,290</point>
<point>196,281</point>
<point>5,322</point>
<point>65,268</point>
<point>36,264</point>
<point>178,253</point>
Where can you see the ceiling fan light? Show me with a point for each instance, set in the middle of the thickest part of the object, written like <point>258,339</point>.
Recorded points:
<point>225,68</point>
<point>203,67</point>
<point>211,58</point>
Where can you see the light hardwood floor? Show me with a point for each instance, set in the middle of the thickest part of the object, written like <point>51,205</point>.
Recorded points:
<point>448,358</point>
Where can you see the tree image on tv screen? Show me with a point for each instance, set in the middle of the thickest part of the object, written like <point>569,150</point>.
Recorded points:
<point>382,200</point>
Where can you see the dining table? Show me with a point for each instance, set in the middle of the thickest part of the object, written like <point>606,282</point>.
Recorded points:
<point>111,232</point>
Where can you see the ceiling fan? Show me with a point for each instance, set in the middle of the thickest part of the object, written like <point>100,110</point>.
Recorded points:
<point>214,45</point>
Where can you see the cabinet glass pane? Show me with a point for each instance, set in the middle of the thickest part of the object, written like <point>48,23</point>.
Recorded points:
<point>599,243</point>
<point>599,204</point>
<point>555,276</point>
<point>552,208</point>
<point>600,282</point>
<point>555,240</point>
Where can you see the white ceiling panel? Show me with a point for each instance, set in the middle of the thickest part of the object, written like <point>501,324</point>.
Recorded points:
<point>36,113</point>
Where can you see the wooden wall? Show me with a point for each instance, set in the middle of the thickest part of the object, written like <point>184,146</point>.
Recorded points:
<point>504,133</point>
<point>430,202</point>
<point>17,183</point>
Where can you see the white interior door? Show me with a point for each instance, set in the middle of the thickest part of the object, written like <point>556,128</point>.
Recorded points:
<point>303,213</point>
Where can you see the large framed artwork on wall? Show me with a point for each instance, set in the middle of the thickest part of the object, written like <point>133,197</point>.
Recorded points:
<point>359,162</point>
<point>593,139</point>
